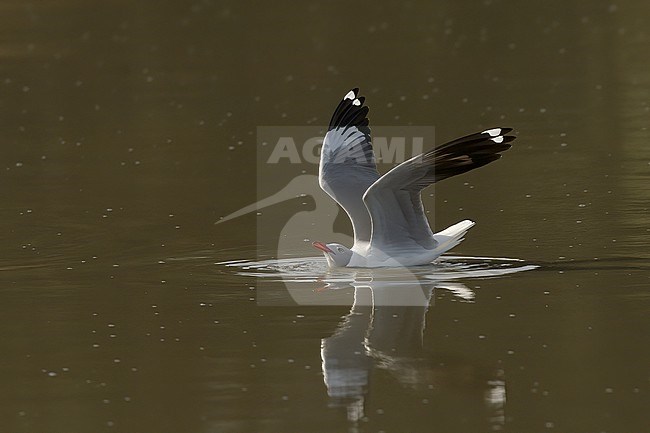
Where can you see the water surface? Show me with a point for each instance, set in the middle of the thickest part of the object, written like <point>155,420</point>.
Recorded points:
<point>129,128</point>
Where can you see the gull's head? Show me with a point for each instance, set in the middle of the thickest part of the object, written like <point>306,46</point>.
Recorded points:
<point>337,255</point>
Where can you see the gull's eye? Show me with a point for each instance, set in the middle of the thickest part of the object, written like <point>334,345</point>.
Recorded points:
<point>340,249</point>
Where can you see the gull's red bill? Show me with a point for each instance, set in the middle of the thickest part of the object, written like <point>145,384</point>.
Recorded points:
<point>321,246</point>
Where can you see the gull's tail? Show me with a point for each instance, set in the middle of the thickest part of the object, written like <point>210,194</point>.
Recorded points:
<point>452,236</point>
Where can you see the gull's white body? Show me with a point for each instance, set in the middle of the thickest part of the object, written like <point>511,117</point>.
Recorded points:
<point>390,225</point>
<point>365,256</point>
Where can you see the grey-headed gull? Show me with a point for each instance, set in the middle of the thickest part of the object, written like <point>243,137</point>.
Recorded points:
<point>387,214</point>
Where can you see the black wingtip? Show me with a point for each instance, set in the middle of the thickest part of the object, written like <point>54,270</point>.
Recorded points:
<point>497,131</point>
<point>352,94</point>
<point>351,111</point>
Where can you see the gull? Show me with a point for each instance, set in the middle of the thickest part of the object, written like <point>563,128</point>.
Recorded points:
<point>388,218</point>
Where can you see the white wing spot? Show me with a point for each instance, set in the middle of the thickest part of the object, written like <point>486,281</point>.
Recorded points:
<point>350,95</point>
<point>497,139</point>
<point>356,102</point>
<point>492,132</point>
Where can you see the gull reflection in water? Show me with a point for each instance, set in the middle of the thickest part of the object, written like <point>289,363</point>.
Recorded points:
<point>384,330</point>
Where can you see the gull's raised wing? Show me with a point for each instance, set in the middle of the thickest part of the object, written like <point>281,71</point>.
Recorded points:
<point>347,163</point>
<point>399,223</point>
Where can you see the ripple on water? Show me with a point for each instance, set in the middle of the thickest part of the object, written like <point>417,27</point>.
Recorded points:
<point>315,269</point>
<point>309,281</point>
